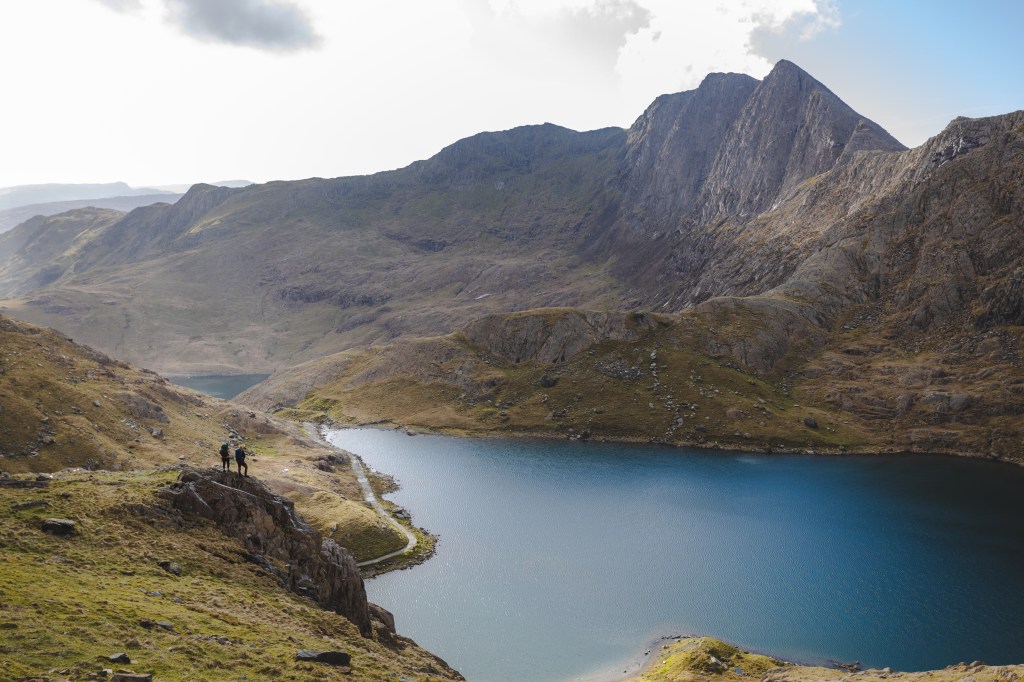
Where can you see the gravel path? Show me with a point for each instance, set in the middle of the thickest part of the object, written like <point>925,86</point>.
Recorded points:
<point>371,497</point>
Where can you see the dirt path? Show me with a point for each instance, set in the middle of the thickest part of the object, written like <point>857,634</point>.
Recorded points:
<point>371,497</point>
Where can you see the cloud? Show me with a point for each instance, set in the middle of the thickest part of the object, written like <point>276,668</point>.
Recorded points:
<point>685,41</point>
<point>542,39</point>
<point>263,24</point>
<point>122,5</point>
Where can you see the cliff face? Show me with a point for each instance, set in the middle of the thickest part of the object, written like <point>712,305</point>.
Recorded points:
<point>792,128</point>
<point>734,147</point>
<point>267,525</point>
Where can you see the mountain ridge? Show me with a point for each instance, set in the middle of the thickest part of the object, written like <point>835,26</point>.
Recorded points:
<point>532,217</point>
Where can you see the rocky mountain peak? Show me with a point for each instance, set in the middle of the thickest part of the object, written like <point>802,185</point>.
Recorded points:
<point>791,128</point>
<point>733,147</point>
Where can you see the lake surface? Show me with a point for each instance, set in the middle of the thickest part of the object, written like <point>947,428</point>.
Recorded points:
<point>560,559</point>
<point>225,386</point>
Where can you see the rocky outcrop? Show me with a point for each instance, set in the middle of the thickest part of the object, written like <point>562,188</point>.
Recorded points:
<point>553,335</point>
<point>267,525</point>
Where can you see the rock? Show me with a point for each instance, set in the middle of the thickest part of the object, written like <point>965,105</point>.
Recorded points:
<point>267,525</point>
<point>548,381</point>
<point>59,526</point>
<point>22,483</point>
<point>383,615</point>
<point>325,466</point>
<point>552,336</point>
<point>97,403</point>
<point>810,422</point>
<point>170,567</point>
<point>157,433</point>
<point>31,504</point>
<point>328,657</point>
<point>120,657</point>
<point>131,677</point>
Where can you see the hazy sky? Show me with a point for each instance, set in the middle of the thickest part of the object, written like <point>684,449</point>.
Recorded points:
<point>170,91</point>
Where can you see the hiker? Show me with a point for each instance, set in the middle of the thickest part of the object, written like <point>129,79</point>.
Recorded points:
<point>240,458</point>
<point>225,457</point>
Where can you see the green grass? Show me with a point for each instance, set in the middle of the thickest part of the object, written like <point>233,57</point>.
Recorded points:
<point>68,603</point>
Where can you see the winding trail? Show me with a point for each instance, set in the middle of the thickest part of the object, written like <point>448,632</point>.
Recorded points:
<point>371,497</point>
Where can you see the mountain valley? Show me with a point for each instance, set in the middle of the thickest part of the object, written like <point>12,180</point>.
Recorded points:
<point>752,266</point>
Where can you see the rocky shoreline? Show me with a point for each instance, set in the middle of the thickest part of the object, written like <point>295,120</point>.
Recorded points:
<point>716,446</point>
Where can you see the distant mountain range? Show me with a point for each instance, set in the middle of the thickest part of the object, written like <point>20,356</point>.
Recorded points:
<point>18,204</point>
<point>780,234</point>
<point>12,217</point>
<point>23,195</point>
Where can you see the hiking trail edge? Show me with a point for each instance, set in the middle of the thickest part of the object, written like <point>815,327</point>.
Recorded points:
<point>371,497</point>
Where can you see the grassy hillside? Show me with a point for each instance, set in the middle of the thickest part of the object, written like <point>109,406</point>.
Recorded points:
<point>258,278</point>
<point>850,393</point>
<point>114,435</point>
<point>68,603</point>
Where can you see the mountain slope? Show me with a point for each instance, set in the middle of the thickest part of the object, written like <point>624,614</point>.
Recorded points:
<point>261,277</point>
<point>898,328</point>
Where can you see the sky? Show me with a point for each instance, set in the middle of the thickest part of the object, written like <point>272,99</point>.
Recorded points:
<point>154,92</point>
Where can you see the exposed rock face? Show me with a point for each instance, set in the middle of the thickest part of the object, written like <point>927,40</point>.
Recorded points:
<point>268,526</point>
<point>791,128</point>
<point>673,146</point>
<point>735,146</point>
<point>552,335</point>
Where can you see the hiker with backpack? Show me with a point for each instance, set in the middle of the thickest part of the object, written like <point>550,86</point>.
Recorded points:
<point>240,459</point>
<point>225,457</point>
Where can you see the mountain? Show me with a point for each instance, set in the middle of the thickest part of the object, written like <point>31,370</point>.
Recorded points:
<point>538,216</point>
<point>23,195</point>
<point>183,187</point>
<point>12,217</point>
<point>789,240</point>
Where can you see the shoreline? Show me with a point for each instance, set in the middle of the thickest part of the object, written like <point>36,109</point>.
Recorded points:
<point>632,667</point>
<point>369,496</point>
<point>388,425</point>
<point>655,651</point>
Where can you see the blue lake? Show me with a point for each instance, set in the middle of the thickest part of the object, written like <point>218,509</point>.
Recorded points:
<point>225,386</point>
<point>557,560</point>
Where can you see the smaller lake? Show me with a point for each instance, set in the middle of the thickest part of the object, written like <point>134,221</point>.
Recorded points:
<point>225,386</point>
<point>559,559</point>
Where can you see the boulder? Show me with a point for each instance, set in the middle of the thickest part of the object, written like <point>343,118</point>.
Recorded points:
<point>59,526</point>
<point>170,567</point>
<point>328,657</point>
<point>31,504</point>
<point>810,422</point>
<point>383,615</point>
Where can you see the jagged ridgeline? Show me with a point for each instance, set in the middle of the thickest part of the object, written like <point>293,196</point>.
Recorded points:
<point>874,292</point>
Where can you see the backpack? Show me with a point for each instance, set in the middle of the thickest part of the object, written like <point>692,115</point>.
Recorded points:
<point>225,451</point>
